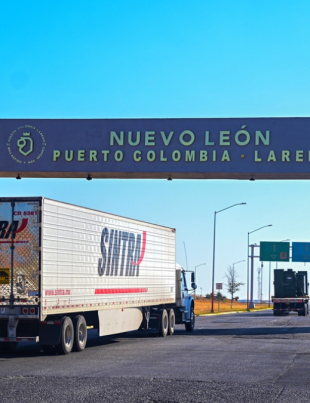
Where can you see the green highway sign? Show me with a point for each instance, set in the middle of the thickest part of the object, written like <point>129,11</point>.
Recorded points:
<point>274,252</point>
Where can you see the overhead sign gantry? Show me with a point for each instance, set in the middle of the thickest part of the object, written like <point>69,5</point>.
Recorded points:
<point>206,148</point>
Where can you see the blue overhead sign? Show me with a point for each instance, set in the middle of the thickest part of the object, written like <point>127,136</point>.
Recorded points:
<point>300,251</point>
<point>207,148</point>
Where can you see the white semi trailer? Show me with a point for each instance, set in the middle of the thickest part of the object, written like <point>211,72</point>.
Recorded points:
<point>65,269</point>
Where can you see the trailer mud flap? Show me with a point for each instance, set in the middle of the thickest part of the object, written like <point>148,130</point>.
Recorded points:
<point>49,334</point>
<point>154,323</point>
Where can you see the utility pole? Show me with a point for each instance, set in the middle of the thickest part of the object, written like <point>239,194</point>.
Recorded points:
<point>261,283</point>
<point>251,303</point>
<point>269,282</point>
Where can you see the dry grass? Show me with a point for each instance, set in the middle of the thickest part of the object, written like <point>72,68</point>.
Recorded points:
<point>203,305</point>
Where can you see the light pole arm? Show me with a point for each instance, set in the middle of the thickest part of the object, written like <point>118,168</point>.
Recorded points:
<point>237,204</point>
<point>270,225</point>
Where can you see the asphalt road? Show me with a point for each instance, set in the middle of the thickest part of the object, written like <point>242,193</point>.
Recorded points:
<point>246,357</point>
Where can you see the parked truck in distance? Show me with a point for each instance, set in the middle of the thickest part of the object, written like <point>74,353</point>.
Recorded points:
<point>65,269</point>
<point>290,292</point>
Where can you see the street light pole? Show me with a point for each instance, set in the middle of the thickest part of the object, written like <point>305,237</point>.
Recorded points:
<point>261,281</point>
<point>234,266</point>
<point>269,283</point>
<point>247,258</point>
<point>216,212</point>
<point>201,264</point>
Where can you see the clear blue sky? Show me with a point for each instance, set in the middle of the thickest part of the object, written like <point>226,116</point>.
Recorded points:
<point>136,59</point>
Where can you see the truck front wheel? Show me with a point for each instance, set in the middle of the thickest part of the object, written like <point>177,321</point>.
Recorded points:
<point>189,326</point>
<point>80,333</point>
<point>67,336</point>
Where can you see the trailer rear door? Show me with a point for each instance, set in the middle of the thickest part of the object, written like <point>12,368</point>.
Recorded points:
<point>19,252</point>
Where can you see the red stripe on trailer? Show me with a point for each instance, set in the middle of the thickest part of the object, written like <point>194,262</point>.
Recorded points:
<point>120,290</point>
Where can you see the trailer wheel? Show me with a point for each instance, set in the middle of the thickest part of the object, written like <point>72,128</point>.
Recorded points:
<point>189,326</point>
<point>67,336</point>
<point>304,312</point>
<point>164,323</point>
<point>80,333</point>
<point>171,325</point>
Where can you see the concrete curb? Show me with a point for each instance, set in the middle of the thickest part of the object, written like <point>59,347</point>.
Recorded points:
<point>228,313</point>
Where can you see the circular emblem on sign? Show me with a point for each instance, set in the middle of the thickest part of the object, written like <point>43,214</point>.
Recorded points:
<point>26,144</point>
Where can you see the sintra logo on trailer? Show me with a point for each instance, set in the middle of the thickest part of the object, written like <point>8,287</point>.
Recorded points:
<point>7,229</point>
<point>121,253</point>
<point>26,144</point>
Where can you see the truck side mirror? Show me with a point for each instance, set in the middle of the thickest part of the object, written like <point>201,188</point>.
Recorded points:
<point>194,286</point>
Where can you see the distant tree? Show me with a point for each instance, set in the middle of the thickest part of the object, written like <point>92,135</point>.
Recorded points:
<point>232,285</point>
<point>218,297</point>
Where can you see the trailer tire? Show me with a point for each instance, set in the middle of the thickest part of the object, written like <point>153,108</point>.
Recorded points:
<point>189,326</point>
<point>66,336</point>
<point>171,325</point>
<point>164,323</point>
<point>304,312</point>
<point>80,333</point>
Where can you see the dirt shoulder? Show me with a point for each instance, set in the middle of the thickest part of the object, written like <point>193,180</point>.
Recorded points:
<point>203,306</point>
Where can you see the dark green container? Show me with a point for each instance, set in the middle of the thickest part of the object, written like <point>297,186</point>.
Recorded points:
<point>289,284</point>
